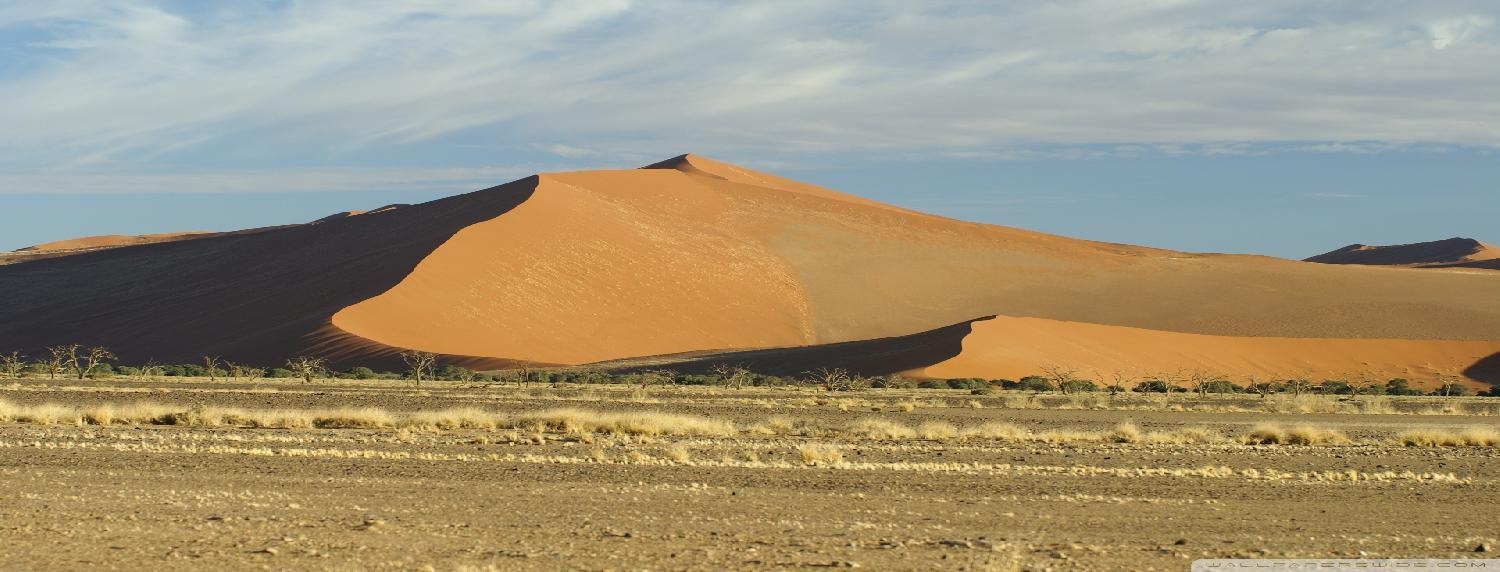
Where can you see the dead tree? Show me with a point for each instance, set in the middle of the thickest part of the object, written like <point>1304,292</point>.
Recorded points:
<point>13,363</point>
<point>151,369</point>
<point>211,367</point>
<point>1261,388</point>
<point>657,377</point>
<point>734,376</point>
<point>239,370</point>
<point>57,359</point>
<point>835,379</point>
<point>84,364</point>
<point>306,367</point>
<point>1060,376</point>
<point>1121,382</point>
<point>418,362</point>
<point>523,376</point>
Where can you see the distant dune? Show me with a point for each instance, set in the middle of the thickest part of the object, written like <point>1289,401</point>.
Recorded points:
<point>1449,253</point>
<point>113,240</point>
<point>697,256</point>
<point>1014,347</point>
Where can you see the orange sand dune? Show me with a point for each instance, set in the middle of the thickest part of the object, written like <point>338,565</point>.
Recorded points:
<point>1008,347</point>
<point>690,255</point>
<point>113,240</point>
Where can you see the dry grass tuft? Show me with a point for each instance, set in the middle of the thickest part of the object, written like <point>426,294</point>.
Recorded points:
<point>1270,434</point>
<point>1127,432</point>
<point>880,429</point>
<point>820,455</point>
<point>937,431</point>
<point>1478,436</point>
<point>996,431</point>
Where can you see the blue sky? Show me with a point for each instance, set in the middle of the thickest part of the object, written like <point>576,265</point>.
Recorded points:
<point>1283,128</point>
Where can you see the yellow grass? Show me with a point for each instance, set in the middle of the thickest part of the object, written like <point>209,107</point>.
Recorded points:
<point>1478,436</point>
<point>1271,434</point>
<point>820,455</point>
<point>574,421</point>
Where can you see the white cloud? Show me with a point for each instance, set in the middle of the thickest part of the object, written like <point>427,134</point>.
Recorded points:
<point>95,82</point>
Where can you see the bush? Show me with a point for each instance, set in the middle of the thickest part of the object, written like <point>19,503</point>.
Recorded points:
<point>933,384</point>
<point>969,383</point>
<point>892,382</point>
<point>280,373</point>
<point>1222,386</point>
<point>1400,386</point>
<point>1451,389</point>
<point>1156,386</point>
<point>1035,383</point>
<point>361,372</point>
<point>1079,386</point>
<point>1336,387</point>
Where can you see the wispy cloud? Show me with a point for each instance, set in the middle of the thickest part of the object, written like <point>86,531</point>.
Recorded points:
<point>272,84</point>
<point>448,180</point>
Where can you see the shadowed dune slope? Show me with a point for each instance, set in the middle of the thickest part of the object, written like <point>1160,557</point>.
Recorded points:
<point>689,255</point>
<point>1014,347</point>
<point>258,297</point>
<point>1448,253</point>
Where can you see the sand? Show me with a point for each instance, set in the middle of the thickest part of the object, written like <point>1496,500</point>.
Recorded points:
<point>113,240</point>
<point>1012,347</point>
<point>692,255</point>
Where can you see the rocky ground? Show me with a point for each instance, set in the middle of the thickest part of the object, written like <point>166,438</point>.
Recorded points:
<point>800,481</point>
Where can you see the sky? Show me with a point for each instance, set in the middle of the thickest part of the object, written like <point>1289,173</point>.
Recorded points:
<point>1285,128</point>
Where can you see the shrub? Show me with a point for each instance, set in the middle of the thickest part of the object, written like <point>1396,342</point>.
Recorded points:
<point>1448,389</point>
<point>1079,386</point>
<point>1035,383</point>
<point>1400,386</point>
<point>969,383</point>
<point>892,382</point>
<point>1336,387</point>
<point>360,372</point>
<point>1155,386</point>
<point>280,373</point>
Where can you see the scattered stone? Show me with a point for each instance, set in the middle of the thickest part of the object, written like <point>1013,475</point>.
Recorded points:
<point>1484,547</point>
<point>216,518</point>
<point>1180,542</point>
<point>844,564</point>
<point>955,543</point>
<point>267,550</point>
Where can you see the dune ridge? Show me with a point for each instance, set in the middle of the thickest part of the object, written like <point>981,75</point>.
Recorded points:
<point>1455,252</point>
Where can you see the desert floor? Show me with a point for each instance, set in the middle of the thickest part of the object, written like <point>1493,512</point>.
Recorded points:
<point>282,475</point>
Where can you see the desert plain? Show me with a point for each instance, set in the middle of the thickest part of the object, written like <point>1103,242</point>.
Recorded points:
<point>379,475</point>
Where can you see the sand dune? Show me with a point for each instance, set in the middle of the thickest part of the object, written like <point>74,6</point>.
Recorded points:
<point>1012,347</point>
<point>1448,253</point>
<point>113,240</point>
<point>689,255</point>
